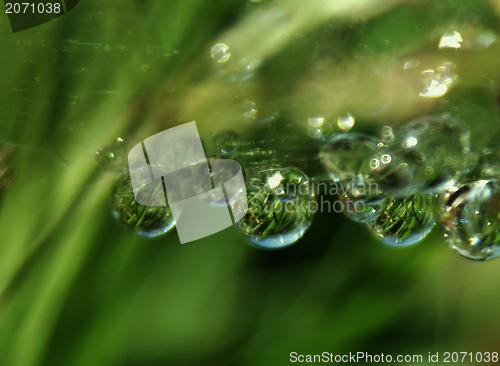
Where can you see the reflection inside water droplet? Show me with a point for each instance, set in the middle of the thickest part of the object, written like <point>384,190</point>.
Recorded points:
<point>279,207</point>
<point>140,220</point>
<point>405,221</point>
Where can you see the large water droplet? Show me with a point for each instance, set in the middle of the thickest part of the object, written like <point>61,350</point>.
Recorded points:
<point>391,172</point>
<point>227,142</point>
<point>406,221</point>
<point>439,147</point>
<point>470,220</point>
<point>279,207</point>
<point>345,155</point>
<point>140,220</point>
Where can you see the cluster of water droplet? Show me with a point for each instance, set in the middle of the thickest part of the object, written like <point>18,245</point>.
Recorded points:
<point>399,184</point>
<point>423,174</point>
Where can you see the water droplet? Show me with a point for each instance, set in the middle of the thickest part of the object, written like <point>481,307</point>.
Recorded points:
<point>345,154</point>
<point>220,53</point>
<point>439,81</point>
<point>249,109</point>
<point>439,147</point>
<point>346,122</point>
<point>264,114</point>
<point>247,71</point>
<point>113,157</point>
<point>470,220</point>
<point>489,165</point>
<point>391,172</point>
<point>315,133</point>
<point>316,122</point>
<point>406,221</point>
<point>227,142</point>
<point>387,134</point>
<point>279,207</point>
<point>140,220</point>
<point>451,40</point>
<point>486,39</point>
<point>321,129</point>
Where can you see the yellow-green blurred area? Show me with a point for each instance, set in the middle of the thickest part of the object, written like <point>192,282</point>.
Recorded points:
<point>77,289</point>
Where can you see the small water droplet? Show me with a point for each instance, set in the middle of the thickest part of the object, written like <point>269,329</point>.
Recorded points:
<point>227,142</point>
<point>346,122</point>
<point>486,39</point>
<point>279,207</point>
<point>316,122</point>
<point>470,220</point>
<point>147,221</point>
<point>263,114</point>
<point>387,134</point>
<point>220,53</point>
<point>439,81</point>
<point>405,221</point>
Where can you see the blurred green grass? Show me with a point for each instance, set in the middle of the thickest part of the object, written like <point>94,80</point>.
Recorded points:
<point>75,288</point>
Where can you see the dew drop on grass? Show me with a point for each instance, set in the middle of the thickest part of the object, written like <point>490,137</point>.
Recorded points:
<point>345,154</point>
<point>406,221</point>
<point>227,142</point>
<point>147,221</point>
<point>439,147</point>
<point>470,220</point>
<point>279,207</point>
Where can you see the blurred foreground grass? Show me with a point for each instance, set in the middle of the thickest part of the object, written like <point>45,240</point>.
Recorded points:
<point>76,289</point>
